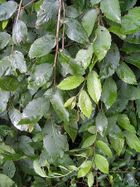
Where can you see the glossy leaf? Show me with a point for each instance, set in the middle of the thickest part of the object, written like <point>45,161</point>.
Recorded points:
<point>86,21</point>
<point>75,31</point>
<point>94,86</point>
<point>111,10</point>
<point>131,21</point>
<point>101,123</point>
<point>102,42</point>
<point>109,92</point>
<point>85,103</point>
<point>126,74</point>
<point>4,39</point>
<point>101,163</point>
<point>39,47</point>
<point>84,168</point>
<point>7,9</point>
<point>104,147</point>
<point>70,82</point>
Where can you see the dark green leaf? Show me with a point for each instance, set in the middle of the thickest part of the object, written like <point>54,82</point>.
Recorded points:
<point>134,38</point>
<point>9,168</point>
<point>133,59</point>
<point>4,39</point>
<point>101,123</point>
<point>9,83</point>
<point>109,92</point>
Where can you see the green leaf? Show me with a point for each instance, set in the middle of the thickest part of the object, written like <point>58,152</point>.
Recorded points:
<point>4,39</point>
<point>5,181</point>
<point>84,168</point>
<point>134,38</point>
<point>9,168</point>
<point>25,145</point>
<point>71,82</point>
<point>47,11</point>
<point>70,101</point>
<point>132,140</point>
<point>58,106</point>
<point>5,65</point>
<point>126,74</point>
<point>109,92</point>
<point>84,56</point>
<point>19,33</point>
<point>75,31</point>
<point>7,9</point>
<point>54,142</point>
<point>38,169</point>
<point>124,122</point>
<point>9,83</point>
<point>94,86</point>
<point>117,144</point>
<point>102,42</point>
<point>4,97</point>
<point>104,147</point>
<point>133,59</point>
<point>88,21</point>
<point>40,75</point>
<point>39,47</point>
<point>85,103</point>
<point>90,179</point>
<point>117,30</point>
<point>101,123</point>
<point>110,62</point>
<point>18,61</point>
<point>111,10</point>
<point>94,2</point>
<point>89,141</point>
<point>101,163</point>
<point>35,110</point>
<point>6,149</point>
<point>131,21</point>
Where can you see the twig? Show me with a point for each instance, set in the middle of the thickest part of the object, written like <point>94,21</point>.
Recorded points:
<point>57,41</point>
<point>28,4</point>
<point>63,34</point>
<point>19,8</point>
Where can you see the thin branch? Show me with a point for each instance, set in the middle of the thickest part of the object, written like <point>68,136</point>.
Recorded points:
<point>63,34</point>
<point>32,1</point>
<point>19,9</point>
<point>57,41</point>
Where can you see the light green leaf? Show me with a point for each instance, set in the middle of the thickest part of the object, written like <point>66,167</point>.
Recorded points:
<point>104,147</point>
<point>38,169</point>
<point>18,61</point>
<point>94,86</point>
<point>9,168</point>
<point>124,122</point>
<point>102,42</point>
<point>101,163</point>
<point>19,33</point>
<point>70,101</point>
<point>90,179</point>
<point>42,46</point>
<point>85,103</point>
<point>75,31</point>
<point>9,83</point>
<point>71,82</point>
<point>84,168</point>
<point>88,21</point>
<point>4,39</point>
<point>101,123</point>
<point>6,149</point>
<point>89,141</point>
<point>5,181</point>
<point>84,56</point>
<point>131,21</point>
<point>94,2</point>
<point>47,11</point>
<point>109,92</point>
<point>4,97</point>
<point>126,74</point>
<point>132,140</point>
<point>7,9</point>
<point>54,142</point>
<point>117,30</point>
<point>35,110</point>
<point>58,106</point>
<point>111,10</point>
<point>110,62</point>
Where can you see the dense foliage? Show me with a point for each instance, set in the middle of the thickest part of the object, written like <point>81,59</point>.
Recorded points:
<point>69,93</point>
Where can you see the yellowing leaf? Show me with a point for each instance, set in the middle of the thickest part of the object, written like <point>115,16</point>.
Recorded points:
<point>85,103</point>
<point>101,163</point>
<point>84,168</point>
<point>71,82</point>
<point>94,86</point>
